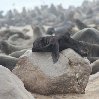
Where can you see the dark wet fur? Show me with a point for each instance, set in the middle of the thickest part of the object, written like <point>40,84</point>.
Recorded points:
<point>56,44</point>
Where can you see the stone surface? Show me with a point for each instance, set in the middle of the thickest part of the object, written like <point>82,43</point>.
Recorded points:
<point>92,91</point>
<point>11,87</point>
<point>39,75</point>
<point>95,66</point>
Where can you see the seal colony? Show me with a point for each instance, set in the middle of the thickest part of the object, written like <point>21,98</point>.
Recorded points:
<point>56,44</point>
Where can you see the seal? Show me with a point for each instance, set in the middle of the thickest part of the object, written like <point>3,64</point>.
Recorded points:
<point>80,24</point>
<point>8,61</point>
<point>55,44</point>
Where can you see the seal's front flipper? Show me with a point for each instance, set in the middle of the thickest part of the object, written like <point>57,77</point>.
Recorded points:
<point>55,52</point>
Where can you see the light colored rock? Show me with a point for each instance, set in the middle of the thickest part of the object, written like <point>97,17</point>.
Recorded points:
<point>94,77</point>
<point>95,66</point>
<point>69,75</point>
<point>11,87</point>
<point>92,91</point>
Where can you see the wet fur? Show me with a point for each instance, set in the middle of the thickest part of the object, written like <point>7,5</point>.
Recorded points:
<point>55,44</point>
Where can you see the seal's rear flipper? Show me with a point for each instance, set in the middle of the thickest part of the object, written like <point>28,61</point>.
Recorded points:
<point>55,52</point>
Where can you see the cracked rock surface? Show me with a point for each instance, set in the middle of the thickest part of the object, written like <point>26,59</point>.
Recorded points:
<point>39,75</point>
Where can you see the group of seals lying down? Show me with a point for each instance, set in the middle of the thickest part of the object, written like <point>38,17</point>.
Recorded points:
<point>13,44</point>
<point>55,44</point>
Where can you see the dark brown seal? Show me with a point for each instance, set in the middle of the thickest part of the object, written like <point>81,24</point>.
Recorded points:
<point>55,44</point>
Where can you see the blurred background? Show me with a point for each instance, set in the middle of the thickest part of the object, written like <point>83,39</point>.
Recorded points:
<point>30,4</point>
<point>46,12</point>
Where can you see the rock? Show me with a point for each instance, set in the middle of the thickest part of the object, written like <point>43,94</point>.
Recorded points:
<point>11,87</point>
<point>93,77</point>
<point>92,91</point>
<point>69,75</point>
<point>95,67</point>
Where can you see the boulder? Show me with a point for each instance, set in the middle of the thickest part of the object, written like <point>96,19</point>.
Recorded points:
<point>95,66</point>
<point>11,87</point>
<point>92,91</point>
<point>40,75</point>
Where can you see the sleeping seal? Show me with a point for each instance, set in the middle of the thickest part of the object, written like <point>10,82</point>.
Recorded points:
<point>55,44</point>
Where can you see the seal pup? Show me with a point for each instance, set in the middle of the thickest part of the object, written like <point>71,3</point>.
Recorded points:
<point>8,61</point>
<point>55,44</point>
<point>89,35</point>
<point>36,32</point>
